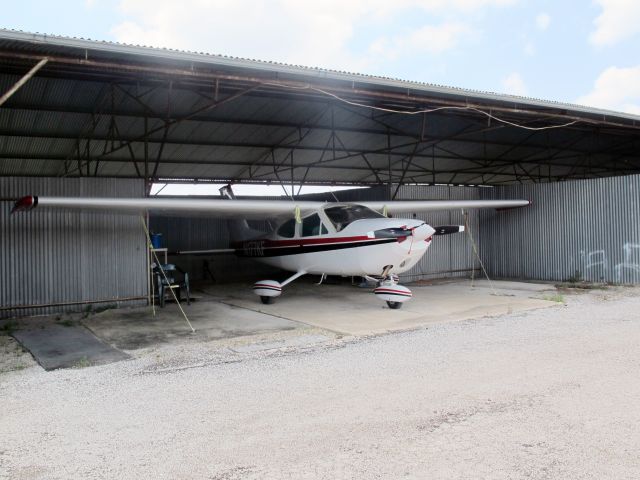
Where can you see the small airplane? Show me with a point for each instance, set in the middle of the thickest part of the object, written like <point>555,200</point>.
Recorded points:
<point>312,237</point>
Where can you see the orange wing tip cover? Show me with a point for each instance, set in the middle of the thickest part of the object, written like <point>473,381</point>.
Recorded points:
<point>25,203</point>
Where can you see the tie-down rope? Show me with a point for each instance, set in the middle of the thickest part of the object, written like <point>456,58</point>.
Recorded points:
<point>465,215</point>
<point>146,231</point>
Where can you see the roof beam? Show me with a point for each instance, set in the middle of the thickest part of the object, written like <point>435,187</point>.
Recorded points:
<point>457,137</point>
<point>412,98</point>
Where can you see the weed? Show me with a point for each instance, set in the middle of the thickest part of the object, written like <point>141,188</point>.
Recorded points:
<point>576,277</point>
<point>67,322</point>
<point>8,328</point>
<point>556,297</point>
<point>82,363</point>
<point>104,307</point>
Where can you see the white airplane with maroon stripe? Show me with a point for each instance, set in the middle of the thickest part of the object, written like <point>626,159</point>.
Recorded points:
<point>321,238</point>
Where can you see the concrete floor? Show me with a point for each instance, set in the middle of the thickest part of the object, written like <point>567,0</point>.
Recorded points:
<point>134,328</point>
<point>352,310</point>
<point>306,313</point>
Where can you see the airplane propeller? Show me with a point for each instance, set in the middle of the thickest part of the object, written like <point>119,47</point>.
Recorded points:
<point>448,229</point>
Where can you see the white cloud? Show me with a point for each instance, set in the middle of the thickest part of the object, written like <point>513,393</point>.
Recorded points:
<point>514,84</point>
<point>428,39</point>
<point>459,5</point>
<point>314,33</point>
<point>530,49</point>
<point>616,89</point>
<point>543,20</point>
<point>288,31</point>
<point>619,20</point>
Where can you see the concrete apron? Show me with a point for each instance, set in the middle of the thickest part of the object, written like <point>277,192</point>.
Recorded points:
<point>352,310</point>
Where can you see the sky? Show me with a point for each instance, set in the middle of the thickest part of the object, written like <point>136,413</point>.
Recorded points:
<point>585,52</point>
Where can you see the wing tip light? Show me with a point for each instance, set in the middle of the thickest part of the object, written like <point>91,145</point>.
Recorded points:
<point>24,204</point>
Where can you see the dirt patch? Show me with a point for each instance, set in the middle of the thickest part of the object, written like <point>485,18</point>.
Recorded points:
<point>13,356</point>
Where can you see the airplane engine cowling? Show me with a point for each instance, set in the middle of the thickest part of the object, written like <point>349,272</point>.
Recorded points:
<point>392,293</point>
<point>267,288</point>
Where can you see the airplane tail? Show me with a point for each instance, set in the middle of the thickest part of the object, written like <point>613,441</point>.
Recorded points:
<point>239,229</point>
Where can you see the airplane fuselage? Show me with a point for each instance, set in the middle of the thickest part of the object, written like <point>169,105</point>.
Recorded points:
<point>363,247</point>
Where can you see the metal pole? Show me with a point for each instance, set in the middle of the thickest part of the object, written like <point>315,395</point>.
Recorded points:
<point>23,80</point>
<point>79,302</point>
<point>389,194</point>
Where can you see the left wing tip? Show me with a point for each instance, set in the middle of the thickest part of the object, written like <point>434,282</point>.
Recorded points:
<point>24,204</point>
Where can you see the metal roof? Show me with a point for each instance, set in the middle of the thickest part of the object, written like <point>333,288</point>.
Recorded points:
<point>113,110</point>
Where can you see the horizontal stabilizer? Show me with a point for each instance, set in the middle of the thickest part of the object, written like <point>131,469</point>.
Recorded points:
<point>448,229</point>
<point>214,251</point>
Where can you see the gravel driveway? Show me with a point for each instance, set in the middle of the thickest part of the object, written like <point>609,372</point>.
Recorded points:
<point>550,394</point>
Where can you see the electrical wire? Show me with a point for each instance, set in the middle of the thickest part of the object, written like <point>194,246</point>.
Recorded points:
<point>416,112</point>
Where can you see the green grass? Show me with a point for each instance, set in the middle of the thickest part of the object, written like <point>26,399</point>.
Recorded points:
<point>556,297</point>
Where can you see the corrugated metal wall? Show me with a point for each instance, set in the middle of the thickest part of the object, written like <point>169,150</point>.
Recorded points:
<point>206,234</point>
<point>585,229</point>
<point>62,256</point>
<point>448,256</point>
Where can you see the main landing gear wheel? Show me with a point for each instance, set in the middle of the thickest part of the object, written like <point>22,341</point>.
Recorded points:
<point>394,305</point>
<point>268,290</point>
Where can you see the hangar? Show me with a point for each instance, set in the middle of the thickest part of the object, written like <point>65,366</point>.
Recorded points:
<point>81,117</point>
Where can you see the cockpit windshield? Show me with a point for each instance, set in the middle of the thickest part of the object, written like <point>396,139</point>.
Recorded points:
<point>343,215</point>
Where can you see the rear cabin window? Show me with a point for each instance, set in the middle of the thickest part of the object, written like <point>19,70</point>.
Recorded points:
<point>312,225</point>
<point>288,229</point>
<point>343,215</point>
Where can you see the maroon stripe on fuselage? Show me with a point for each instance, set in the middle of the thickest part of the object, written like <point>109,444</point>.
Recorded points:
<point>256,248</point>
<point>267,243</point>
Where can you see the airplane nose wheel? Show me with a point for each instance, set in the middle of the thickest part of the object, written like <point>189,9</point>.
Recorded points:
<point>392,293</point>
<point>269,300</point>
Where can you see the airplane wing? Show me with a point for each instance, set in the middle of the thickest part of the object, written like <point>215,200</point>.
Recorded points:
<point>416,206</point>
<point>258,209</point>
<point>252,209</point>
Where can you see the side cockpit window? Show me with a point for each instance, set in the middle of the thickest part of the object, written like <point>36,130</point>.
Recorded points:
<point>312,226</point>
<point>288,229</point>
<point>343,215</point>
